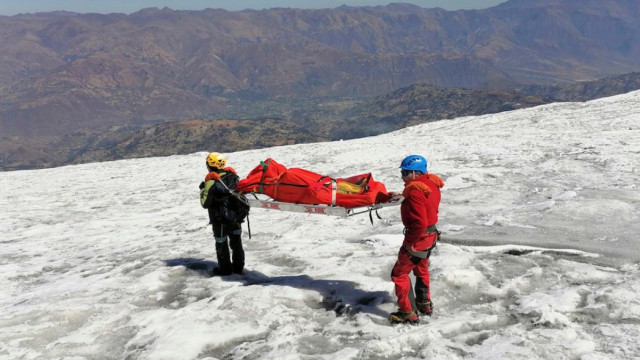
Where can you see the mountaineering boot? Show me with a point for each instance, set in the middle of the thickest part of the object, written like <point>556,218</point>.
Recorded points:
<point>425,308</point>
<point>401,317</point>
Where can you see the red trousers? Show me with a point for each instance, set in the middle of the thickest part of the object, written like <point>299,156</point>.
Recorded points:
<point>400,276</point>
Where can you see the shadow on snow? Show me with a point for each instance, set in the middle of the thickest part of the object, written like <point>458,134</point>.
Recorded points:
<point>340,296</point>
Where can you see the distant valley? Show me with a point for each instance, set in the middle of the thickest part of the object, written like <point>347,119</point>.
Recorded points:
<point>87,87</point>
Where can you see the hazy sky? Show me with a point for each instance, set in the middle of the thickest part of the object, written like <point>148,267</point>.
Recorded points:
<point>13,7</point>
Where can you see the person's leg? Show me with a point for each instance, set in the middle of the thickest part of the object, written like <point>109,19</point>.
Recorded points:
<point>235,242</point>
<point>423,295</point>
<point>222,251</point>
<point>400,277</point>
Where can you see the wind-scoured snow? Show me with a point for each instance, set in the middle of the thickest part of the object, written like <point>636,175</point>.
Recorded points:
<point>538,259</point>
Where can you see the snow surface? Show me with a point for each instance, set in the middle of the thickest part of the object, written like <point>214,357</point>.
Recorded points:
<point>539,258</point>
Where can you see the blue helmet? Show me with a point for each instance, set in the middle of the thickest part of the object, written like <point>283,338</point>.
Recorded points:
<point>414,162</point>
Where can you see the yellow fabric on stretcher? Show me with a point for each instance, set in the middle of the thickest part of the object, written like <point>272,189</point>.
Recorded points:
<point>350,188</point>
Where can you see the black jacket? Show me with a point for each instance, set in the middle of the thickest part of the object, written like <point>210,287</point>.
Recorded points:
<point>214,195</point>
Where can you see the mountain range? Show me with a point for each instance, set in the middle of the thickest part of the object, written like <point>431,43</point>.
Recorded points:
<point>90,87</point>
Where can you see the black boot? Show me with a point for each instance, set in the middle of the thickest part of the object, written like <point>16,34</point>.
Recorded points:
<point>401,317</point>
<point>423,302</point>
<point>425,308</point>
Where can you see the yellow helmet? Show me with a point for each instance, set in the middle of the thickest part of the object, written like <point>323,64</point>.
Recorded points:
<point>216,160</point>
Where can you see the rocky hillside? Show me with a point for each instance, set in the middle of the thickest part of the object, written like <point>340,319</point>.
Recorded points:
<point>61,72</point>
<point>423,103</point>
<point>587,90</point>
<point>296,122</point>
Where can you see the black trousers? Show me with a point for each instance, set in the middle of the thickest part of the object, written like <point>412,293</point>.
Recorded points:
<point>229,237</point>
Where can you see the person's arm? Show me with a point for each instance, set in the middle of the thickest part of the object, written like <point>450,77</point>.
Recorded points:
<point>206,196</point>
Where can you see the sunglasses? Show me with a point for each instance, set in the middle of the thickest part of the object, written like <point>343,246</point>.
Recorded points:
<point>406,172</point>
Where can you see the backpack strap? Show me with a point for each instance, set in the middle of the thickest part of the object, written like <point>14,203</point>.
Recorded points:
<point>212,175</point>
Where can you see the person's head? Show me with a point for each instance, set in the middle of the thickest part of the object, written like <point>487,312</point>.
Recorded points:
<point>216,162</point>
<point>412,167</point>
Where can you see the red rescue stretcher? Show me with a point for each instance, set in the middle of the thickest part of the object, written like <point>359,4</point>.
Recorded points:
<point>300,190</point>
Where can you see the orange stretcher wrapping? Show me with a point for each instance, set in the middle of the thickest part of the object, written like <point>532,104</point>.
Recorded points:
<point>302,186</point>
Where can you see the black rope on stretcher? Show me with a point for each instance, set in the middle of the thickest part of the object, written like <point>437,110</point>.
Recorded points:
<point>371,215</point>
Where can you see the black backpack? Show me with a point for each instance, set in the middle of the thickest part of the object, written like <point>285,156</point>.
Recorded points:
<point>235,209</point>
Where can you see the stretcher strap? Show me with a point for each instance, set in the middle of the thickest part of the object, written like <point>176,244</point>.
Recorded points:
<point>264,170</point>
<point>334,191</point>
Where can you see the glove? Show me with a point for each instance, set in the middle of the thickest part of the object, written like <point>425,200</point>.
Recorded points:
<point>202,185</point>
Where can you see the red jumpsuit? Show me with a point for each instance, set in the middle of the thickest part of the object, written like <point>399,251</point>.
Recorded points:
<point>419,211</point>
